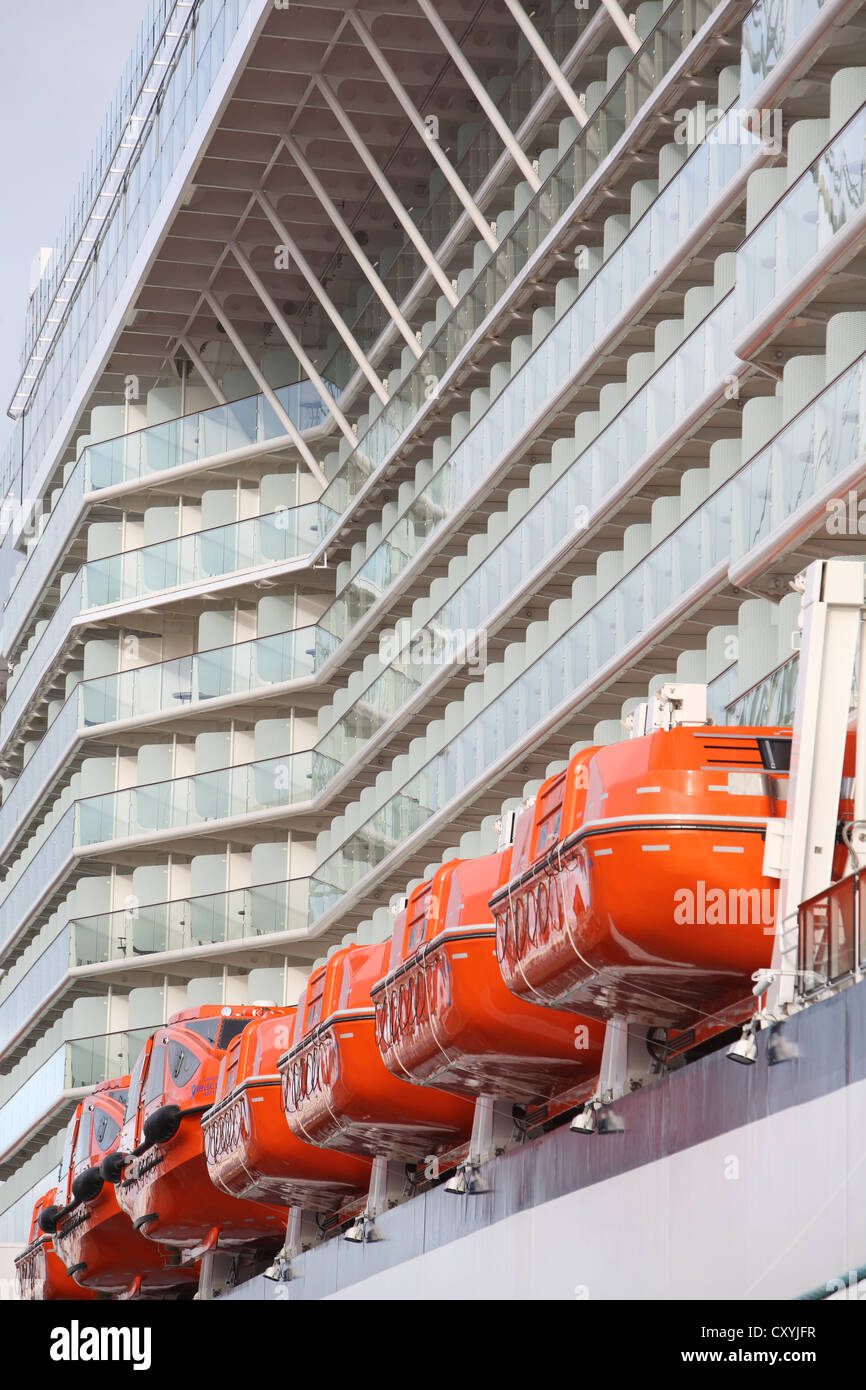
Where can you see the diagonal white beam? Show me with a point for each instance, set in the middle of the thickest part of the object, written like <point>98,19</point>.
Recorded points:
<point>300,260</point>
<point>266,389</point>
<point>479,91</point>
<point>387,191</point>
<point>622,24</point>
<point>276,314</point>
<point>210,382</point>
<point>349,238</point>
<point>411,110</point>
<point>547,60</point>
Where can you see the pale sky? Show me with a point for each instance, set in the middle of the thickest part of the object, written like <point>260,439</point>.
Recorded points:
<point>60,62</point>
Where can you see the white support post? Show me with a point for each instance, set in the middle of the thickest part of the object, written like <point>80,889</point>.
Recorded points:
<point>388,194</point>
<point>348,236</point>
<point>297,348</point>
<point>300,260</point>
<point>479,91</point>
<point>438,154</point>
<point>622,24</point>
<point>267,391</point>
<point>548,62</point>
<point>833,601</point>
<point>209,381</point>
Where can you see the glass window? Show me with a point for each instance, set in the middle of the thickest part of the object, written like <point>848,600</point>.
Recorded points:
<point>207,1028</point>
<point>231,1028</point>
<point>155,1074</point>
<point>105,1129</point>
<point>85,1127</point>
<point>135,1086</point>
<point>182,1062</point>
<point>66,1157</point>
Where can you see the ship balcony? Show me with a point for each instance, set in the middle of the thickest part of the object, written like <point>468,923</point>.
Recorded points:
<point>158,940</point>
<point>179,442</point>
<point>815,227</point>
<point>37,1100</point>
<point>685,577</point>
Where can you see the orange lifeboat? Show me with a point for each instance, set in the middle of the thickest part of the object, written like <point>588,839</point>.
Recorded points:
<point>92,1235</point>
<point>337,1091</point>
<point>444,1016</point>
<point>637,886</point>
<point>249,1148</point>
<point>159,1168</point>
<point>39,1271</point>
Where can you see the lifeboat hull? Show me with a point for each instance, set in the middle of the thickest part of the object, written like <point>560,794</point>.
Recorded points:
<point>660,924</point>
<point>338,1094</point>
<point>447,1019</point>
<point>170,1198</point>
<point>251,1153</point>
<point>108,1255</point>
<point>41,1277</point>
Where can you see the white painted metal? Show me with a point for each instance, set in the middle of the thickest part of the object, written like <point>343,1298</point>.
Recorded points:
<point>349,238</point>
<point>294,343</point>
<point>411,110</point>
<point>300,260</point>
<point>548,62</point>
<point>388,193</point>
<point>622,24</point>
<point>267,391</point>
<point>833,596</point>
<point>209,380</point>
<point>479,91</point>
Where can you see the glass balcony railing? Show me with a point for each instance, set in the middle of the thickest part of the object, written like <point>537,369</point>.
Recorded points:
<point>770,29</point>
<point>819,444</point>
<point>30,878</point>
<point>188,439</point>
<point>167,685</point>
<point>38,981</point>
<point>185,86</point>
<point>245,422</point>
<point>569,507</point>
<point>436,222</point>
<point>681,564</point>
<point>220,551</point>
<point>182,924</point>
<point>182,802</point>
<point>202,555</point>
<point>803,221</point>
<point>76,1064</point>
<point>606,126</point>
<point>657,410</point>
<point>770,701</point>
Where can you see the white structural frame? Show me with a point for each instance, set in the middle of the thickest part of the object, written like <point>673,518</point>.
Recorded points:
<point>351,241</point>
<point>479,91</point>
<point>834,608</point>
<point>267,390</point>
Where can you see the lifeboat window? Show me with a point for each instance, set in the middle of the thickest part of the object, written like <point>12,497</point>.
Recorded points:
<point>206,1028</point>
<point>231,1028</point>
<point>549,815</point>
<point>68,1142</point>
<point>155,1083</point>
<point>105,1129</point>
<point>182,1063</point>
<point>135,1086</point>
<point>775,754</point>
<point>85,1127</point>
<point>314,1001</point>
